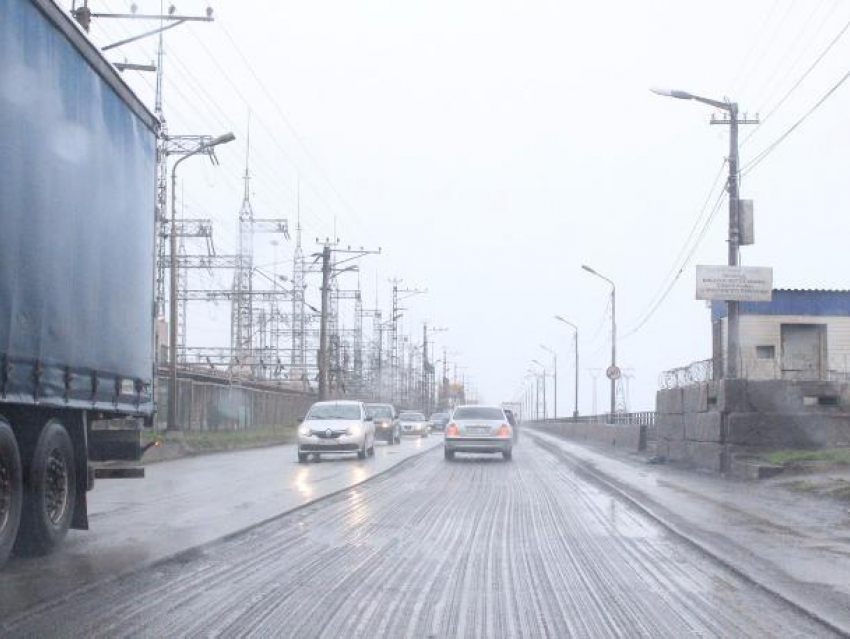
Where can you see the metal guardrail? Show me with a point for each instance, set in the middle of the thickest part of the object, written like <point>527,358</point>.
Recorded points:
<point>644,418</point>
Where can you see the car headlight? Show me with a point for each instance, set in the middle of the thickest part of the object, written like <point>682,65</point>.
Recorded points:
<point>355,430</point>
<point>305,430</point>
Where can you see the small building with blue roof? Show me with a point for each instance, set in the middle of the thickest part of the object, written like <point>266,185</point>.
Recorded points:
<point>800,334</point>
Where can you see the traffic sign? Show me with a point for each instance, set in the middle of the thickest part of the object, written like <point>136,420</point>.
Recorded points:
<point>613,372</point>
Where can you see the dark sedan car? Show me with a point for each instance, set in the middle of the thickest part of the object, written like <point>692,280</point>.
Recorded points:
<point>438,421</point>
<point>387,426</point>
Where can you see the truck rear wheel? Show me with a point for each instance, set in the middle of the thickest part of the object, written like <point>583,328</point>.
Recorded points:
<point>50,489</point>
<point>11,491</point>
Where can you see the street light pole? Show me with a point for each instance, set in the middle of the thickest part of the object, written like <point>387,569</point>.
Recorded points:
<point>543,369</point>
<point>575,344</point>
<point>613,338</point>
<point>733,332</point>
<point>172,329</point>
<point>555,376</point>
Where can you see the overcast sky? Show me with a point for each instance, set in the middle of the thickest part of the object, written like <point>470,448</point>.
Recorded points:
<point>491,148</point>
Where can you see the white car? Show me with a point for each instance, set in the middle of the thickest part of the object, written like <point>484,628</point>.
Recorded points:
<point>413,423</point>
<point>336,427</point>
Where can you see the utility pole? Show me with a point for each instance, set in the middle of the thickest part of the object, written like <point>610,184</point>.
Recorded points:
<point>537,396</point>
<point>731,118</point>
<point>733,328</point>
<point>330,271</point>
<point>427,368</point>
<point>545,412</point>
<point>554,355</point>
<point>594,374</point>
<point>543,368</point>
<point>323,325</point>
<point>399,294</point>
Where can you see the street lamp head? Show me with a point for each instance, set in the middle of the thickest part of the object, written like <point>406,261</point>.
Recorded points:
<point>567,322</point>
<point>222,139</point>
<point>672,93</point>
<point>588,269</point>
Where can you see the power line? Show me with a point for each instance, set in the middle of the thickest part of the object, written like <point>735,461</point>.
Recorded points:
<point>751,68</point>
<point>768,79</point>
<point>289,125</point>
<point>703,231</point>
<point>272,136</point>
<point>677,267</point>
<point>772,146</point>
<point>801,79</point>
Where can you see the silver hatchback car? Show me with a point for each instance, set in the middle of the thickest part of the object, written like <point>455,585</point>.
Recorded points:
<point>478,429</point>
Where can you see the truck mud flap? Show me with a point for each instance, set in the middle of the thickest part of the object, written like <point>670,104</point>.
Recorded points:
<point>115,445</point>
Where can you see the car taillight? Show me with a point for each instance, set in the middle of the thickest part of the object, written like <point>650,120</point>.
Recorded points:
<point>451,430</point>
<point>504,431</point>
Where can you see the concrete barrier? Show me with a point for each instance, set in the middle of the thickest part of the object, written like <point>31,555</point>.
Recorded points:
<point>625,436</point>
<point>705,425</point>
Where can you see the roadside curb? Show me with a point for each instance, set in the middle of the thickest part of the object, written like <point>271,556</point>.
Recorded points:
<point>651,509</point>
<point>188,554</point>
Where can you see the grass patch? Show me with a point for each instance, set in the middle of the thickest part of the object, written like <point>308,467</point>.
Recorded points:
<point>802,486</point>
<point>840,456</point>
<point>202,441</point>
<point>841,490</point>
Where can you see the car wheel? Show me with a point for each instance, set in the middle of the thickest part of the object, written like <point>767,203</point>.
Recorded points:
<point>50,491</point>
<point>361,454</point>
<point>11,490</point>
<point>449,454</point>
<point>508,454</point>
<point>302,457</point>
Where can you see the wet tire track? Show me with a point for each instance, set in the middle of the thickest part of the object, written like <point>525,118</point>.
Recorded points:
<point>472,548</point>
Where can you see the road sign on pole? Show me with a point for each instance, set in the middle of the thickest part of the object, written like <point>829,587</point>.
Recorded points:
<point>613,372</point>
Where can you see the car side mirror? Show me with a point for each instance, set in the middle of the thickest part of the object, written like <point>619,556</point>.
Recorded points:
<point>300,420</point>
<point>369,418</point>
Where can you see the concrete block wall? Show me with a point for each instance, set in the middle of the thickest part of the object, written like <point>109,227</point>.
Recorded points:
<point>705,424</point>
<point>690,426</point>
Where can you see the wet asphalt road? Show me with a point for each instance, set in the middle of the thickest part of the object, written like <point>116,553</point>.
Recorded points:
<point>182,504</point>
<point>476,547</point>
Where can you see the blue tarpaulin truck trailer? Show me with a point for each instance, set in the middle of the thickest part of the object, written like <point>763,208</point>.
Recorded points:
<point>77,185</point>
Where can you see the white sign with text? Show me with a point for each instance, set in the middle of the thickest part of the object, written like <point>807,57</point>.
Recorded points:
<point>735,283</point>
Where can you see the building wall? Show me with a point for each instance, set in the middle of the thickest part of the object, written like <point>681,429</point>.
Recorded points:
<point>765,330</point>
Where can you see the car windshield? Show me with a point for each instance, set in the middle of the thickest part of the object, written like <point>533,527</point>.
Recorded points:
<point>334,411</point>
<point>631,353</point>
<point>380,412</point>
<point>478,412</point>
